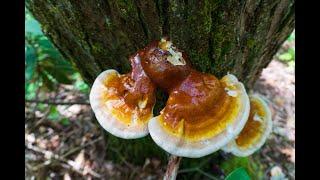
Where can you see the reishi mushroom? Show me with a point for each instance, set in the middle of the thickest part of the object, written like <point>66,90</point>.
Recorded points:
<point>123,104</point>
<point>256,130</point>
<point>202,113</point>
<point>165,64</point>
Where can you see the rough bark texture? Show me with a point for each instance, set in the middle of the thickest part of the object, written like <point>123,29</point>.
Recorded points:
<point>233,36</point>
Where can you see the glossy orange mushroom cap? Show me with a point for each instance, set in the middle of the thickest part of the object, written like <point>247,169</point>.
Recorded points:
<point>123,104</point>
<point>164,64</point>
<point>202,115</point>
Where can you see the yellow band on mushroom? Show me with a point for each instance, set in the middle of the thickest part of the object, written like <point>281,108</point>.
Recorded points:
<point>255,132</point>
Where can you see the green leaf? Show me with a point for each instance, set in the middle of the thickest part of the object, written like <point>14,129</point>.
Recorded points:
<point>27,14</point>
<point>65,121</point>
<point>42,107</point>
<point>292,52</point>
<point>291,37</point>
<point>47,81</point>
<point>32,26</point>
<point>238,174</point>
<point>59,75</point>
<point>286,56</point>
<point>31,62</point>
<point>54,113</point>
<point>289,55</point>
<point>253,167</point>
<point>64,65</point>
<point>30,55</point>
<point>45,43</point>
<point>54,54</point>
<point>57,61</point>
<point>30,90</point>
<point>81,86</point>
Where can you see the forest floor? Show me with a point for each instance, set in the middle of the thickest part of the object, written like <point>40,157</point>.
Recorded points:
<point>277,84</point>
<point>74,147</point>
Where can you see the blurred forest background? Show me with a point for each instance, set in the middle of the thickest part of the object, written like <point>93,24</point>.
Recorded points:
<point>64,141</point>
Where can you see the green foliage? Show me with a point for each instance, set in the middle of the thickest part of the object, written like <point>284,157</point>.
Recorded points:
<point>42,107</point>
<point>292,37</point>
<point>238,174</point>
<point>252,167</point>
<point>45,67</point>
<point>30,90</point>
<point>43,61</point>
<point>79,84</point>
<point>287,52</point>
<point>289,55</point>
<point>54,114</point>
<point>31,61</point>
<point>31,25</point>
<point>65,121</point>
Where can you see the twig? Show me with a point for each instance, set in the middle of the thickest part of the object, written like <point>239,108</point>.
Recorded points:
<point>56,102</point>
<point>172,168</point>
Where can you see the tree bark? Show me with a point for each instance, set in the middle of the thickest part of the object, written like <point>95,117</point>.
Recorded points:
<point>233,36</point>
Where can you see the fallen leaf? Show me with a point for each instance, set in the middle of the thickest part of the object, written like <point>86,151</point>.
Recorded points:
<point>79,160</point>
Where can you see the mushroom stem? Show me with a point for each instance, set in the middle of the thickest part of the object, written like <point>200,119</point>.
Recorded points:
<point>172,168</point>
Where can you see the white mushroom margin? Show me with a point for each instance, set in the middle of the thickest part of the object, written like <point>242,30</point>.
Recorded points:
<point>103,113</point>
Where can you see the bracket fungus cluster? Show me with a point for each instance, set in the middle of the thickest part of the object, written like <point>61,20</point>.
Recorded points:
<point>202,115</point>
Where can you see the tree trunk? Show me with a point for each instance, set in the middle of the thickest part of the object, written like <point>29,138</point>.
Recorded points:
<point>239,37</point>
<point>219,36</point>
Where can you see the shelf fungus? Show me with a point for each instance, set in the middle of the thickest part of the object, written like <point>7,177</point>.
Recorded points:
<point>256,130</point>
<point>202,113</point>
<point>123,104</point>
